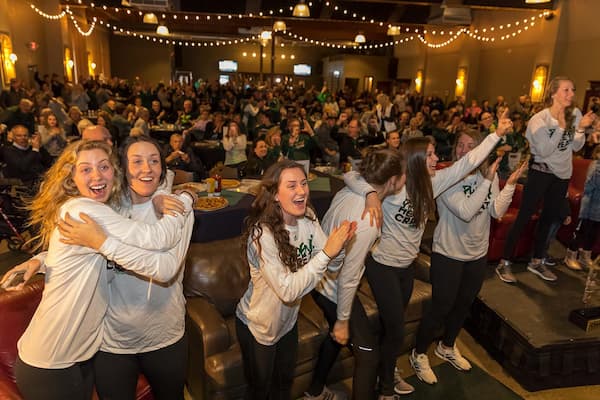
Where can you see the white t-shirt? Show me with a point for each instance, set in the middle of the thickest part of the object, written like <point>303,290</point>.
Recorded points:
<point>400,238</point>
<point>463,230</point>
<point>340,287</point>
<point>270,305</point>
<point>552,145</point>
<point>67,325</point>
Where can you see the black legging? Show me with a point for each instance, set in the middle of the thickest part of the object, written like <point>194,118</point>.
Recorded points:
<point>454,286</point>
<point>392,288</point>
<point>117,374</point>
<point>540,185</point>
<point>364,346</point>
<point>269,370</point>
<point>75,382</point>
<point>585,236</point>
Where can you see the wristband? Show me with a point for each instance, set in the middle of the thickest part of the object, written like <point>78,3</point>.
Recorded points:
<point>580,130</point>
<point>372,191</point>
<point>328,256</point>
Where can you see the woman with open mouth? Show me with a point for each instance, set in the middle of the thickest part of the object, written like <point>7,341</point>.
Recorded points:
<point>389,266</point>
<point>287,254</point>
<point>74,319</point>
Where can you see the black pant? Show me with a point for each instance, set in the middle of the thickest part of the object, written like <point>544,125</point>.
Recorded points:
<point>75,382</point>
<point>585,235</point>
<point>364,346</point>
<point>117,374</point>
<point>392,288</point>
<point>269,370</point>
<point>540,185</point>
<point>454,286</point>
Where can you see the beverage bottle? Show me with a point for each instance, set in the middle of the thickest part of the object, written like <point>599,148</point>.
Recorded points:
<point>218,184</point>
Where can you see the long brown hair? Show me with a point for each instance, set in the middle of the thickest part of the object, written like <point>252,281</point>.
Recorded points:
<point>418,180</point>
<point>477,138</point>
<point>379,165</point>
<point>265,212</point>
<point>551,89</point>
<point>58,187</point>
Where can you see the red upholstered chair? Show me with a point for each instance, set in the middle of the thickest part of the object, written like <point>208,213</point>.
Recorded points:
<point>575,192</point>
<point>16,310</point>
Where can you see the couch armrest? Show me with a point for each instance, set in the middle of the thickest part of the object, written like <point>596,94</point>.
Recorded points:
<point>210,325</point>
<point>8,390</point>
<point>422,265</point>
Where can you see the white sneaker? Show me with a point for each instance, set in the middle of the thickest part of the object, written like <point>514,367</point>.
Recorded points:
<point>420,363</point>
<point>327,394</point>
<point>453,356</point>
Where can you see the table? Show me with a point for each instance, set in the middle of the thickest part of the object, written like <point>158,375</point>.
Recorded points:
<point>163,133</point>
<point>229,221</point>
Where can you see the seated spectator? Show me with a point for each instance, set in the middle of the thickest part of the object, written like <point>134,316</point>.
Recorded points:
<point>97,132</point>
<point>392,141</point>
<point>298,144</point>
<point>71,124</point>
<point>143,116</point>
<point>330,150</point>
<point>179,157</point>
<point>52,136</point>
<point>234,143</point>
<point>412,130</point>
<point>79,98</point>
<point>349,145</point>
<point>22,115</point>
<point>486,123</point>
<point>157,113</point>
<point>82,124</point>
<point>110,107</point>
<point>23,160</point>
<point>214,128</point>
<point>258,161</point>
<point>136,132</point>
<point>187,115</point>
<point>122,121</point>
<point>273,141</point>
<point>264,124</point>
<point>105,120</point>
<point>198,130</point>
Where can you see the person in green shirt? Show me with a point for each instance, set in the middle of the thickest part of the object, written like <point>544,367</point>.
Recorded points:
<point>298,144</point>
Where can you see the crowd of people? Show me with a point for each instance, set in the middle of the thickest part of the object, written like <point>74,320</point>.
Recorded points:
<point>93,213</point>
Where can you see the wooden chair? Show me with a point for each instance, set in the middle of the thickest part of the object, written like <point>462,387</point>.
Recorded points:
<point>182,176</point>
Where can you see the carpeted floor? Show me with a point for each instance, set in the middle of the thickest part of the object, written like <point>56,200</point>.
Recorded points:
<point>473,385</point>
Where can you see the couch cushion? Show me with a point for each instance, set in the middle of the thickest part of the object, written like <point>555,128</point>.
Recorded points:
<point>217,272</point>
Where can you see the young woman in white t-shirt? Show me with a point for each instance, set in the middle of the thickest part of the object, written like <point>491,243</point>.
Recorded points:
<point>459,257</point>
<point>389,268</point>
<point>67,329</point>
<point>287,255</point>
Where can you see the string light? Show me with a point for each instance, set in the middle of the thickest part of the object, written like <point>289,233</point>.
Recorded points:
<point>81,31</point>
<point>48,16</point>
<point>439,45</point>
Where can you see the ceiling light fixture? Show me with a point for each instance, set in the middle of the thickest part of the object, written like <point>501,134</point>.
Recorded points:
<point>150,18</point>
<point>162,30</point>
<point>360,38</point>
<point>279,26</point>
<point>301,10</point>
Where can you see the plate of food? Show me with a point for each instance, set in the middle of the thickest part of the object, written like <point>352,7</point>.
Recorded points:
<point>229,183</point>
<point>193,186</point>
<point>312,176</point>
<point>210,203</point>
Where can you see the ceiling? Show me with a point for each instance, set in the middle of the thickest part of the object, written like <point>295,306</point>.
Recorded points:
<point>325,23</point>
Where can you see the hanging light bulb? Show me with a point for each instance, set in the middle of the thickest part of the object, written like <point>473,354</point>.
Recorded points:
<point>360,38</point>
<point>162,30</point>
<point>279,26</point>
<point>301,10</point>
<point>150,18</point>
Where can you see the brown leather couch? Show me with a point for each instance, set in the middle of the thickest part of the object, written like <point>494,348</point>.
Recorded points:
<point>16,310</point>
<point>216,276</point>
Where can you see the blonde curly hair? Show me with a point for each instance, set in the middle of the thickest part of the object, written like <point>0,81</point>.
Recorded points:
<point>58,187</point>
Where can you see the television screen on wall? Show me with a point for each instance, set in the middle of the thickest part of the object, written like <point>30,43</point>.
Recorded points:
<point>302,69</point>
<point>228,66</point>
<point>223,79</point>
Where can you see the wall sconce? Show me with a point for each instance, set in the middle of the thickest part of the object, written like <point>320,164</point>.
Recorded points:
<point>13,58</point>
<point>419,81</point>
<point>336,73</point>
<point>93,66</point>
<point>461,81</point>
<point>368,83</point>
<point>538,83</point>
<point>301,10</point>
<point>70,64</point>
